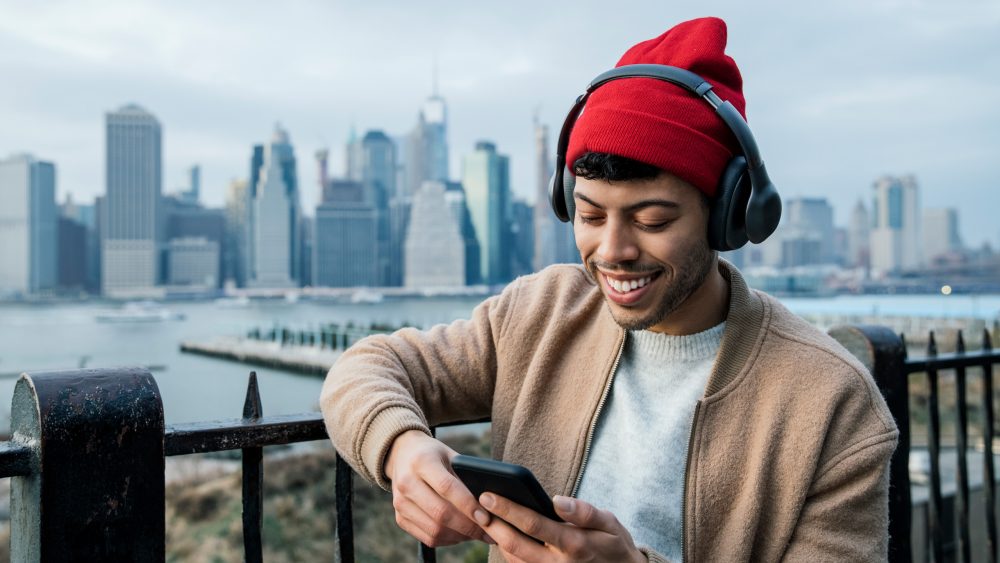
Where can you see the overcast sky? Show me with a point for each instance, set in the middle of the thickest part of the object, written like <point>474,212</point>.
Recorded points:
<point>838,93</point>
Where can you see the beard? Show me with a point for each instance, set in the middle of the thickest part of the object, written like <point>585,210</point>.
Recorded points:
<point>685,279</point>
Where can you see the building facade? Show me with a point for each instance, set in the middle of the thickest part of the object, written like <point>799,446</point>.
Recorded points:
<point>345,237</point>
<point>28,226</point>
<point>486,180</point>
<point>896,232</point>
<point>435,249</point>
<point>273,241</point>
<point>132,229</point>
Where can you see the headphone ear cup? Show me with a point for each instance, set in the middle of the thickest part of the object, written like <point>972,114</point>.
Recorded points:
<point>727,228</point>
<point>569,183</point>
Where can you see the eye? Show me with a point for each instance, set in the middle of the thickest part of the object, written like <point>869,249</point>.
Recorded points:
<point>653,226</point>
<point>590,219</point>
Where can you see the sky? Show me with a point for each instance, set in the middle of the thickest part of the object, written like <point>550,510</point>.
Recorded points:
<point>838,93</point>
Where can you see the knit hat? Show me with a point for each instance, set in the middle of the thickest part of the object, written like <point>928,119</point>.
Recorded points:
<point>661,124</point>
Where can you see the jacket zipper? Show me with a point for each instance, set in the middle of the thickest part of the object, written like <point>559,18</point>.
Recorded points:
<point>597,414</point>
<point>684,492</point>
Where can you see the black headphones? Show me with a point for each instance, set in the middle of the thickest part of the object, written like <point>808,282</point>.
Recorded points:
<point>746,205</point>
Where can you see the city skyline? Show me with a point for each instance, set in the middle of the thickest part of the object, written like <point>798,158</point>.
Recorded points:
<point>838,96</point>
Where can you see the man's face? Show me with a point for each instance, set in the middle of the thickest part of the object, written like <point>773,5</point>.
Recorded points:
<point>646,244</point>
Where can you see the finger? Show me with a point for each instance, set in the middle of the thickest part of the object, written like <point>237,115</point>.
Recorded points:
<point>415,529</point>
<point>585,515</point>
<point>422,504</point>
<point>515,545</point>
<point>524,519</point>
<point>451,488</point>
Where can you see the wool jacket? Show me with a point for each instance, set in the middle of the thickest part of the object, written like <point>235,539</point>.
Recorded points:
<point>789,446</point>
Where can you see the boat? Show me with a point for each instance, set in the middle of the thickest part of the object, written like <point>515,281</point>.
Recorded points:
<point>366,296</point>
<point>233,302</point>
<point>140,312</point>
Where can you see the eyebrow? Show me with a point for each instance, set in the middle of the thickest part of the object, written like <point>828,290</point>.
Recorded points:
<point>635,206</point>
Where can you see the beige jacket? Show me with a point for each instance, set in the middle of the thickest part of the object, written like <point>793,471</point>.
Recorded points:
<point>789,445</point>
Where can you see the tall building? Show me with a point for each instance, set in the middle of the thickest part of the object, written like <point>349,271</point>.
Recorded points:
<point>522,238</point>
<point>435,249</point>
<point>858,235</point>
<point>345,239</point>
<point>234,246</point>
<point>194,262</point>
<point>486,179</point>
<point>132,223</point>
<point>554,241</point>
<point>28,226</point>
<point>808,233</point>
<point>940,230</point>
<point>273,242</point>
<point>427,146</point>
<point>187,219</point>
<point>455,198</point>
<point>896,233</point>
<point>378,174</point>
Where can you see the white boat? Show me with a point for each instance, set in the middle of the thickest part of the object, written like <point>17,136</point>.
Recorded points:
<point>140,312</point>
<point>366,296</point>
<point>233,302</point>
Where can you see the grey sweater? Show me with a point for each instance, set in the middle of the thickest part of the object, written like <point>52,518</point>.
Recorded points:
<point>639,476</point>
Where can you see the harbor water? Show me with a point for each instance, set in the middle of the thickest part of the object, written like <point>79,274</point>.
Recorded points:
<point>35,337</point>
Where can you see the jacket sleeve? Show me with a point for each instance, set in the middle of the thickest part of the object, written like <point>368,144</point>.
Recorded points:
<point>846,514</point>
<point>385,385</point>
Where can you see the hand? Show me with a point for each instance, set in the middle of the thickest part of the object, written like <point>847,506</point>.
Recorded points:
<point>431,503</point>
<point>589,534</point>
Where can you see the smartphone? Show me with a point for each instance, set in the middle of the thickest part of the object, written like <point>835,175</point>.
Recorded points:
<point>508,480</point>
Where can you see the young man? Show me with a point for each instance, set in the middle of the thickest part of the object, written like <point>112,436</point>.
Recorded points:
<point>676,413</point>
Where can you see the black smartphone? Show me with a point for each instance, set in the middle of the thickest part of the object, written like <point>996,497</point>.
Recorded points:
<point>508,480</point>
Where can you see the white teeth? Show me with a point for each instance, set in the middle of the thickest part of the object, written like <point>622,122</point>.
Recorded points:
<point>629,285</point>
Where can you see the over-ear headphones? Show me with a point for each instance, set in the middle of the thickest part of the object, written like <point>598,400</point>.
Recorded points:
<point>746,205</point>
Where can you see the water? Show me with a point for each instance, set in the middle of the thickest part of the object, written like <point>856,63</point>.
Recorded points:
<point>194,388</point>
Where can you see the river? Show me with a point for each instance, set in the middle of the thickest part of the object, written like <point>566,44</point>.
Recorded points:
<point>55,336</point>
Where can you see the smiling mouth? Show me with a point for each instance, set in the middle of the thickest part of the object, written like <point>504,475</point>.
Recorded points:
<point>625,286</point>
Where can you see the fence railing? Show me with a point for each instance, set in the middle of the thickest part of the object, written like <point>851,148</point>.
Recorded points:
<point>88,448</point>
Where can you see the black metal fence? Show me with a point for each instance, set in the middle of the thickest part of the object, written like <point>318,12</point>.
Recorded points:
<point>88,447</point>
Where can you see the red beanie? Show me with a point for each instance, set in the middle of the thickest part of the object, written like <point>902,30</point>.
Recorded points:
<point>661,124</point>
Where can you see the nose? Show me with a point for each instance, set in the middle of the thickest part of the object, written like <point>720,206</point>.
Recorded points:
<point>617,243</point>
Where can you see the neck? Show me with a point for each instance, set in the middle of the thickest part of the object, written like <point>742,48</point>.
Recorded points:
<point>706,307</point>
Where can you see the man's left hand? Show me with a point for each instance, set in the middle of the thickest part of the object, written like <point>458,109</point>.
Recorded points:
<point>589,534</point>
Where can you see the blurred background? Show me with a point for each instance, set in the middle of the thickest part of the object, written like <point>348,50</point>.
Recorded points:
<point>188,184</point>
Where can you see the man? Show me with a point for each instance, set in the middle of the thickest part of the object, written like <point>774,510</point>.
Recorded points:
<point>676,413</point>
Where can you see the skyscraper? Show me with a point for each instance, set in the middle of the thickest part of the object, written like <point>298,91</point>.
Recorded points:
<point>486,179</point>
<point>808,233</point>
<point>858,237</point>
<point>28,226</point>
<point>132,230</point>
<point>234,247</point>
<point>553,239</point>
<point>940,230</point>
<point>435,250</point>
<point>273,242</point>
<point>895,236</point>
<point>378,175</point>
<point>345,239</point>
<point>455,197</point>
<point>427,146</point>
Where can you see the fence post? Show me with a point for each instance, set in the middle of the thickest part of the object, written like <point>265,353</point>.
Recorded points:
<point>882,351</point>
<point>96,489</point>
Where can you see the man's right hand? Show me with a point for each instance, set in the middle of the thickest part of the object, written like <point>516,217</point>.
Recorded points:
<point>431,503</point>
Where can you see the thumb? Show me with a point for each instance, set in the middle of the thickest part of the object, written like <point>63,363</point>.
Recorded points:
<point>583,514</point>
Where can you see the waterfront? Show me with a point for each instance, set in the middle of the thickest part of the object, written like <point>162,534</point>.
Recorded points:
<point>55,336</point>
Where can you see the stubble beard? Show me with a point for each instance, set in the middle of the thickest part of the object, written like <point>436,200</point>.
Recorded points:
<point>686,279</point>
